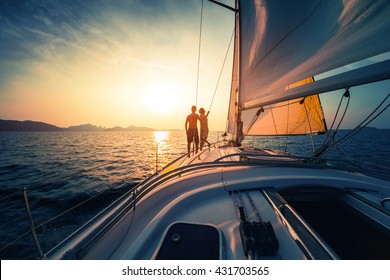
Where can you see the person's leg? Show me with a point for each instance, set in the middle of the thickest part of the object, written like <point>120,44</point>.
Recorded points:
<point>196,139</point>
<point>206,134</point>
<point>201,143</point>
<point>189,141</point>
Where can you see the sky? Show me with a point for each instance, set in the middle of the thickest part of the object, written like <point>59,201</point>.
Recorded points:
<point>126,62</point>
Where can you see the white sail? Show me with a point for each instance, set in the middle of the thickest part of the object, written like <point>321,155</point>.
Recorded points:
<point>232,112</point>
<point>283,42</point>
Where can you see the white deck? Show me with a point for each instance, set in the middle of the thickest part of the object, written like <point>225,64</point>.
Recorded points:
<point>201,195</point>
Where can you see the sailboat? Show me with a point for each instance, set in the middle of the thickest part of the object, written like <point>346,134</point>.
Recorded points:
<point>230,201</point>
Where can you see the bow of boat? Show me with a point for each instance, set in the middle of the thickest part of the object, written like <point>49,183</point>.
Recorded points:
<point>236,203</point>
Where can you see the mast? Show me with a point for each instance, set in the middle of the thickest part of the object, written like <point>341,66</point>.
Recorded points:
<point>238,135</point>
<point>223,5</point>
<point>235,125</point>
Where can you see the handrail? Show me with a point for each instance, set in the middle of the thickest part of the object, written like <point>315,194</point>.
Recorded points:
<point>104,219</point>
<point>117,209</point>
<point>100,222</point>
<point>328,250</point>
<point>255,156</point>
<point>315,236</point>
<point>94,226</point>
<point>296,237</point>
<point>354,167</point>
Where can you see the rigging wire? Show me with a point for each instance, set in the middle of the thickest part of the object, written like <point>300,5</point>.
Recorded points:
<point>276,131</point>
<point>75,172</point>
<point>223,66</point>
<point>351,159</point>
<point>347,95</point>
<point>197,74</point>
<point>15,193</point>
<point>327,140</point>
<point>287,123</point>
<point>356,130</point>
<point>10,195</point>
<point>199,48</point>
<point>360,163</point>
<point>308,121</point>
<point>256,116</point>
<point>134,193</point>
<point>44,223</point>
<point>362,125</point>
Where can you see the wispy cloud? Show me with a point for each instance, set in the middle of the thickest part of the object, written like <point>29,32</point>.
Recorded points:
<point>85,49</point>
<point>54,32</point>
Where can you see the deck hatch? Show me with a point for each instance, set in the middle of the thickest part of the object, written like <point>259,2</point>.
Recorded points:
<point>185,241</point>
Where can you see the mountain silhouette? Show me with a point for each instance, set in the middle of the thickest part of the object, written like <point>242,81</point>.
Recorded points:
<point>12,125</point>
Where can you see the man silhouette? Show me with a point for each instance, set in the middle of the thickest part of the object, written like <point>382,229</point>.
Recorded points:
<point>191,126</point>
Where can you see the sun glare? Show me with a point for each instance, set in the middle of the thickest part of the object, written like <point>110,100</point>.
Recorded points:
<point>160,98</point>
<point>160,136</point>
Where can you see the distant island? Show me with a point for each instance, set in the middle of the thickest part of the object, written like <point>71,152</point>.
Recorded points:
<point>12,125</point>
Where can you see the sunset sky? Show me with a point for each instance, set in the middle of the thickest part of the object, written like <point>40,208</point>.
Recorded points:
<point>125,62</point>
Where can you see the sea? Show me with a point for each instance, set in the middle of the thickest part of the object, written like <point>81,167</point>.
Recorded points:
<point>69,177</point>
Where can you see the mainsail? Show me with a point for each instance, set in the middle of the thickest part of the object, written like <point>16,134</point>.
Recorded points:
<point>280,43</point>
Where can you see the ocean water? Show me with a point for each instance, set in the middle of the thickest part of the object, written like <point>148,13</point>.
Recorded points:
<point>70,176</point>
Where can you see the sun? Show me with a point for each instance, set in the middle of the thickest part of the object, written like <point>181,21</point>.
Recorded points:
<point>160,98</point>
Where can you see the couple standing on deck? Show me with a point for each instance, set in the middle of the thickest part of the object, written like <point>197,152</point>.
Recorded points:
<point>191,126</point>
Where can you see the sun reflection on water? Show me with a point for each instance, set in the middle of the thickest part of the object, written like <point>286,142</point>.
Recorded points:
<point>160,136</point>
<point>162,147</point>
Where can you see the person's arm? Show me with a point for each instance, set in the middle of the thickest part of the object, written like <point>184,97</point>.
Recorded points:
<point>208,112</point>
<point>185,124</point>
